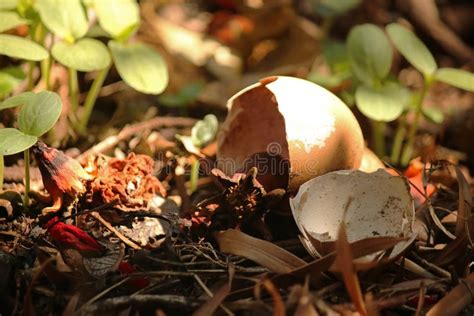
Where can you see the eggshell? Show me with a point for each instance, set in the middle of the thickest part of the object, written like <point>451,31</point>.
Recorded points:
<point>287,124</point>
<point>381,205</point>
<point>370,162</point>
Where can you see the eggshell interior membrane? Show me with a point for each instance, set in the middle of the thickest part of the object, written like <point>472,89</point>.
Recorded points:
<point>285,119</point>
<point>381,205</point>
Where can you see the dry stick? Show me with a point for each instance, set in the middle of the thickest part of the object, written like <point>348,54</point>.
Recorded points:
<point>210,294</point>
<point>116,232</point>
<point>157,122</point>
<point>139,300</point>
<point>458,298</point>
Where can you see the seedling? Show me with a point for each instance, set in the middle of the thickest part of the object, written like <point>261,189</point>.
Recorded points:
<point>418,55</point>
<point>376,95</point>
<point>366,60</point>
<point>38,114</point>
<point>139,66</point>
<point>202,133</point>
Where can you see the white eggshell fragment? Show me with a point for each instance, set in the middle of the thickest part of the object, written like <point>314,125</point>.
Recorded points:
<point>381,205</point>
<point>294,119</point>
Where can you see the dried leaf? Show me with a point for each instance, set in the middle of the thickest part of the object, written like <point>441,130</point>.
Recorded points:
<point>305,305</point>
<point>360,248</point>
<point>451,252</point>
<point>464,223</point>
<point>421,300</point>
<point>100,266</point>
<point>262,252</point>
<point>438,223</point>
<point>213,303</point>
<point>455,301</point>
<point>72,304</point>
<point>278,305</point>
<point>345,262</point>
<point>372,309</point>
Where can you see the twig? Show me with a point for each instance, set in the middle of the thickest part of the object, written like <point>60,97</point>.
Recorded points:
<point>108,143</point>
<point>136,300</point>
<point>104,292</point>
<point>430,266</point>
<point>116,232</point>
<point>456,300</point>
<point>210,294</point>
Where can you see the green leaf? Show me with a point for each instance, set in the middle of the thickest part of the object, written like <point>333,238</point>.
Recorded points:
<point>8,4</point>
<point>335,54</point>
<point>140,67</point>
<point>456,77</point>
<point>10,78</point>
<point>204,130</point>
<point>65,18</point>
<point>328,8</point>
<point>412,48</point>
<point>22,48</point>
<point>370,53</point>
<point>40,113</point>
<point>97,31</point>
<point>10,20</point>
<point>433,114</point>
<point>84,55</point>
<point>184,97</point>
<point>117,17</point>
<point>329,81</point>
<point>384,104</point>
<point>17,100</point>
<point>13,141</point>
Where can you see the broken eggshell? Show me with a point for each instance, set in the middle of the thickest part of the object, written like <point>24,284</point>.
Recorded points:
<point>292,128</point>
<point>380,206</point>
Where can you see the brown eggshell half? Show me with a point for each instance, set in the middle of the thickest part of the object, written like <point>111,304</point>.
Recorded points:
<point>285,124</point>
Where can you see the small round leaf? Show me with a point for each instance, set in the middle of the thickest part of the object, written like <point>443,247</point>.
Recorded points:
<point>384,104</point>
<point>11,20</point>
<point>205,130</point>
<point>84,55</point>
<point>433,114</point>
<point>40,113</point>
<point>10,78</point>
<point>65,18</point>
<point>330,8</point>
<point>13,141</point>
<point>456,77</point>
<point>20,99</point>
<point>370,53</point>
<point>8,4</point>
<point>22,48</point>
<point>140,67</point>
<point>412,48</point>
<point>117,17</point>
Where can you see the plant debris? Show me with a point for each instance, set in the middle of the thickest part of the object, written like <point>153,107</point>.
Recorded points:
<point>336,181</point>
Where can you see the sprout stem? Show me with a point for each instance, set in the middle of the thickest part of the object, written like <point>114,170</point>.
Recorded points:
<point>398,140</point>
<point>91,98</point>
<point>73,88</point>
<point>31,67</point>
<point>2,165</point>
<point>378,138</point>
<point>45,64</point>
<point>408,149</point>
<point>194,176</point>
<point>46,71</point>
<point>26,198</point>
